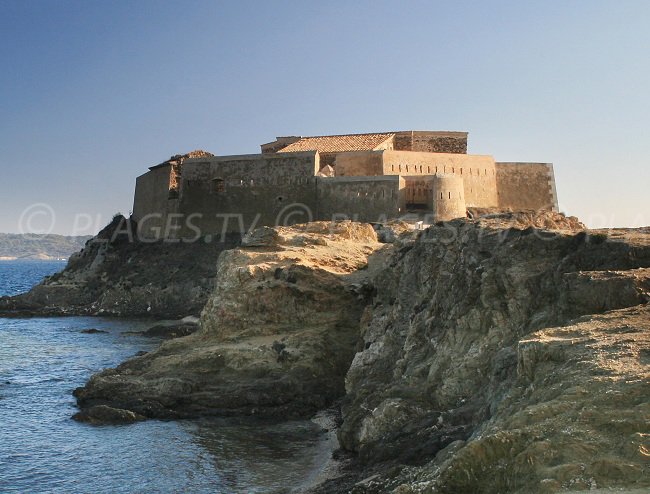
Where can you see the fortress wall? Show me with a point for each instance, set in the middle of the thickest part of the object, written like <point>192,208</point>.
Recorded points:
<point>360,198</point>
<point>359,163</point>
<point>478,172</point>
<point>419,190</point>
<point>235,193</point>
<point>526,186</point>
<point>151,201</point>
<point>431,142</point>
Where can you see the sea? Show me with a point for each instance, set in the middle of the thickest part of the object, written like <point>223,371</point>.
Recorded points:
<point>42,450</point>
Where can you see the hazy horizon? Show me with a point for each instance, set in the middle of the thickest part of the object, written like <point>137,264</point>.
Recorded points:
<point>95,93</point>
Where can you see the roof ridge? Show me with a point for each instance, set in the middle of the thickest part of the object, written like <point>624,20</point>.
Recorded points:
<point>345,135</point>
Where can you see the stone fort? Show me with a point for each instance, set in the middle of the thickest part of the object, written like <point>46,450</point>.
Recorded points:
<point>365,177</point>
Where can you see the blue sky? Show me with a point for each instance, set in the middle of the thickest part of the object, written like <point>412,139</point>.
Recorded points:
<point>92,93</point>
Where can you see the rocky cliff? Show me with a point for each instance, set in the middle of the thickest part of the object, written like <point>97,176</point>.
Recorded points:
<point>277,334</point>
<point>505,359</point>
<point>116,274</point>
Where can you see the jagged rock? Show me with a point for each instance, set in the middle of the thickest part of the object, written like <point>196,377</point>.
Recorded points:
<point>102,414</point>
<point>519,348</point>
<point>169,331</point>
<point>118,275</point>
<point>272,343</point>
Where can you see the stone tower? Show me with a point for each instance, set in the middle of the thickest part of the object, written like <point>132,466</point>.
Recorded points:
<point>448,197</point>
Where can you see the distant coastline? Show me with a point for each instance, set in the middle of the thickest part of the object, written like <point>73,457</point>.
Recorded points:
<point>39,247</point>
<point>44,258</point>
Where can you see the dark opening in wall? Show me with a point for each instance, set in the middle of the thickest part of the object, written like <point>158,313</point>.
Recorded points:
<point>218,185</point>
<point>279,198</point>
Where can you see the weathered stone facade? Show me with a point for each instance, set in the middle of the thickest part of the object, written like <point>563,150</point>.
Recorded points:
<point>367,177</point>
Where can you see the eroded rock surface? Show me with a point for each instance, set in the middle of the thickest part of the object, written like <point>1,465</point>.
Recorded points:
<point>505,359</point>
<point>277,335</point>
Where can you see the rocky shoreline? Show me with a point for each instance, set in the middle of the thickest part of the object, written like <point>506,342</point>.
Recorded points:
<point>508,353</point>
<point>117,275</point>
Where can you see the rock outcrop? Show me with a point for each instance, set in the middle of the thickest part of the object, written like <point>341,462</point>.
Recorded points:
<point>505,359</point>
<point>277,335</point>
<point>509,353</point>
<point>116,274</point>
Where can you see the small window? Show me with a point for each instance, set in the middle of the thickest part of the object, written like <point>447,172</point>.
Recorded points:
<point>279,198</point>
<point>428,169</point>
<point>449,195</point>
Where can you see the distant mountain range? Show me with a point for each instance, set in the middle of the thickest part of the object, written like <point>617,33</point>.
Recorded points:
<point>44,247</point>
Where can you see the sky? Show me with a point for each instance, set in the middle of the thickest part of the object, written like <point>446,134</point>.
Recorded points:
<point>93,93</point>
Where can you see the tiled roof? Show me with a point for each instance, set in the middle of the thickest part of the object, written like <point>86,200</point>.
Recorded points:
<point>338,144</point>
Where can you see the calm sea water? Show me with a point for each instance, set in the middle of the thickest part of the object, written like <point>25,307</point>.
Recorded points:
<point>43,450</point>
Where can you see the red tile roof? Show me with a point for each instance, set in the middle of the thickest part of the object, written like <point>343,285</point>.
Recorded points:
<point>339,143</point>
